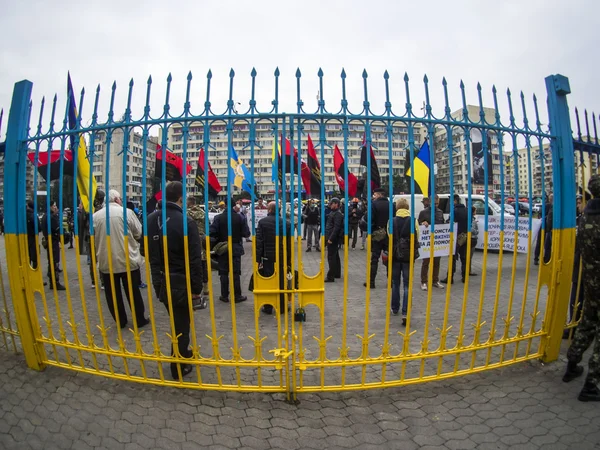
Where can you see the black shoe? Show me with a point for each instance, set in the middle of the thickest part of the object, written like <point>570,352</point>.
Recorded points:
<point>185,369</point>
<point>124,326</point>
<point>318,249</point>
<point>566,334</point>
<point>224,299</point>
<point>573,371</point>
<point>589,393</point>
<point>267,309</point>
<point>536,262</point>
<point>143,323</point>
<point>445,281</point>
<point>463,279</point>
<point>58,270</point>
<point>308,250</point>
<point>372,285</point>
<point>471,274</point>
<point>329,280</point>
<point>241,298</point>
<point>59,287</point>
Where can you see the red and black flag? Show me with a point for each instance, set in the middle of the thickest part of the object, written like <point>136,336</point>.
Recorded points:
<point>338,166</point>
<point>174,165</point>
<point>214,187</point>
<point>375,177</point>
<point>53,159</point>
<point>313,183</point>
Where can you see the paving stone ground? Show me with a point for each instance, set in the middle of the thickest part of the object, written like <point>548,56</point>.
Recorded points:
<point>521,406</point>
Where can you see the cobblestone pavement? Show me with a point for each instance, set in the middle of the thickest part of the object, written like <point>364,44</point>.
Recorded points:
<point>524,406</point>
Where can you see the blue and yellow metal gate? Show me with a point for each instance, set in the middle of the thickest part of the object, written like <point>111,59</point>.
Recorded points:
<point>513,311</point>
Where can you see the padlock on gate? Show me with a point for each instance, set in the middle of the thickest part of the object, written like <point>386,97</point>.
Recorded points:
<point>300,315</point>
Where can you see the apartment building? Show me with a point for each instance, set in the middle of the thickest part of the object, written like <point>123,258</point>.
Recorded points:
<point>134,174</point>
<point>263,149</point>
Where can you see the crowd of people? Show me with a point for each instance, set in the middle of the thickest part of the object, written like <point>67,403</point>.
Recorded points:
<point>119,259</point>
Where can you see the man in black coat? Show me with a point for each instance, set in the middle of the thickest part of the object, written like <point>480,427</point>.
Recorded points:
<point>219,233</point>
<point>266,251</point>
<point>177,265</point>
<point>51,220</point>
<point>334,232</point>
<point>461,218</point>
<point>547,235</point>
<point>380,215</point>
<point>312,220</point>
<point>32,219</point>
<point>354,215</point>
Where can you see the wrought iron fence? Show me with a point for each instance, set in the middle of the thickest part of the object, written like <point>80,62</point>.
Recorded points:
<point>351,338</point>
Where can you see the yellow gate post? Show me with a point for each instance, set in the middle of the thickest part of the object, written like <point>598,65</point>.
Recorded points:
<point>16,224</point>
<point>563,215</point>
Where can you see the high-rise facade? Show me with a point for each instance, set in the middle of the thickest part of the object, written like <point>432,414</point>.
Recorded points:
<point>263,150</point>
<point>134,174</point>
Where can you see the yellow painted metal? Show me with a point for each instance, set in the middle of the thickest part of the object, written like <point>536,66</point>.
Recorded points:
<point>563,242</point>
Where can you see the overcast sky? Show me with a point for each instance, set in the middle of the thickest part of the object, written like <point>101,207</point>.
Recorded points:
<point>510,43</point>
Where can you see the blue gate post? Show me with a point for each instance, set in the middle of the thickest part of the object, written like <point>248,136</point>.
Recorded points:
<point>16,223</point>
<point>563,215</point>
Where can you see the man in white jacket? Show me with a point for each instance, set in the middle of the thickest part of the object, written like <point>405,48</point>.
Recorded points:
<point>109,222</point>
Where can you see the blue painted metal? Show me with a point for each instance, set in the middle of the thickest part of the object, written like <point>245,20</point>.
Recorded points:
<point>15,159</point>
<point>557,87</point>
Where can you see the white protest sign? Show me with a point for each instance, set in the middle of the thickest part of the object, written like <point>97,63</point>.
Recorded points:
<point>509,233</point>
<point>441,243</point>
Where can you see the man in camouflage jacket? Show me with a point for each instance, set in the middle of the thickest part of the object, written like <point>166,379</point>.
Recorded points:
<point>196,212</point>
<point>588,243</point>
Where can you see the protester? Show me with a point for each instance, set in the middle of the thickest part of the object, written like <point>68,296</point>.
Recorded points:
<point>401,256</point>
<point>260,205</point>
<point>312,223</point>
<point>461,219</point>
<point>83,219</point>
<point>116,257</point>
<point>379,215</point>
<point>588,330</point>
<point>547,235</point>
<point>32,219</point>
<point>177,294</point>
<point>219,235</point>
<point>354,215</point>
<point>474,238</point>
<point>51,232</point>
<point>363,207</point>
<point>424,219</point>
<point>71,227</point>
<point>196,213</point>
<point>266,253</point>
<point>334,232</point>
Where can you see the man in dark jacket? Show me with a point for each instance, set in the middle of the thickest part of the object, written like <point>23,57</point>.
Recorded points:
<point>547,235</point>
<point>461,219</point>
<point>312,220</point>
<point>354,215</point>
<point>218,234</point>
<point>425,219</point>
<point>32,219</point>
<point>266,253</point>
<point>380,212</point>
<point>51,220</point>
<point>588,330</point>
<point>177,265</point>
<point>576,299</point>
<point>334,231</point>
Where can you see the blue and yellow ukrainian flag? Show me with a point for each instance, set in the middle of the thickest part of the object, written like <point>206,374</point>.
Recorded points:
<point>83,163</point>
<point>422,166</point>
<point>241,176</point>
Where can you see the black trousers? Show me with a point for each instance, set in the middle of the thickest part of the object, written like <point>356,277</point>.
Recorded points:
<point>376,248</point>
<point>224,275</point>
<point>353,233</point>
<point>33,259</point>
<point>56,261</point>
<point>268,270</point>
<point>181,320</point>
<point>138,301</point>
<point>333,259</point>
<point>461,253</point>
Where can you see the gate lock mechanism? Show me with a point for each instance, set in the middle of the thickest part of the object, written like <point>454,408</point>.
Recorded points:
<point>300,315</point>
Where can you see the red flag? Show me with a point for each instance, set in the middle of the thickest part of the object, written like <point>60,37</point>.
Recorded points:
<point>338,166</point>
<point>54,160</point>
<point>375,177</point>
<point>314,169</point>
<point>174,165</point>
<point>214,187</point>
